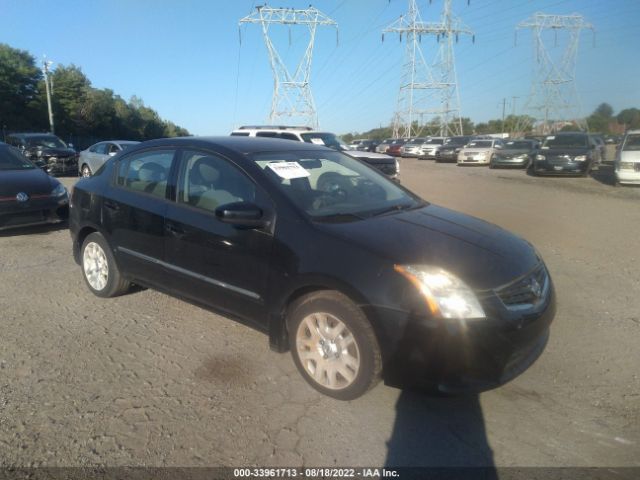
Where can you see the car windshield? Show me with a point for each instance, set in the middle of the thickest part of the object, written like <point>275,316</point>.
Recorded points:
<point>416,141</point>
<point>480,144</point>
<point>330,186</point>
<point>517,145</point>
<point>435,141</point>
<point>632,143</point>
<point>46,141</point>
<point>567,141</point>
<point>11,159</point>
<point>456,141</point>
<point>125,146</point>
<point>326,139</point>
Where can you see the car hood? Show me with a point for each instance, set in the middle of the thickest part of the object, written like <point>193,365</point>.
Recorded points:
<point>565,151</point>
<point>32,181</point>
<point>371,157</point>
<point>513,153</point>
<point>483,255</point>
<point>630,156</point>
<point>476,149</point>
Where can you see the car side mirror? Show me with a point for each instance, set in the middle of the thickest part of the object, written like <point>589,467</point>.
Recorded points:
<point>241,214</point>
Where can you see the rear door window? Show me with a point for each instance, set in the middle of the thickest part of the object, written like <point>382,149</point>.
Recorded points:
<point>146,172</point>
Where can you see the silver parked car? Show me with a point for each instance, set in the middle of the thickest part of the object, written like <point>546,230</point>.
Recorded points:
<point>96,155</point>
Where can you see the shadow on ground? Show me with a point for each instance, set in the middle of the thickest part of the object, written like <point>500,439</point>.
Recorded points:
<point>45,229</point>
<point>439,432</point>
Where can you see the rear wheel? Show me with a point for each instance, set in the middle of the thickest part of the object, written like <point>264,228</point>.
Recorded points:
<point>100,272</point>
<point>333,345</point>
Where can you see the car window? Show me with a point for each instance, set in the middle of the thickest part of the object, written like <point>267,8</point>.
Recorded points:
<point>207,181</point>
<point>518,145</point>
<point>267,134</point>
<point>46,141</point>
<point>146,172</point>
<point>112,148</point>
<point>480,144</point>
<point>100,148</point>
<point>12,159</point>
<point>632,142</point>
<point>323,138</point>
<point>328,185</point>
<point>566,140</point>
<point>239,134</point>
<point>289,136</point>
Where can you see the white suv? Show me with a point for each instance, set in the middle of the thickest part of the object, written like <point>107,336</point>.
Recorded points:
<point>385,163</point>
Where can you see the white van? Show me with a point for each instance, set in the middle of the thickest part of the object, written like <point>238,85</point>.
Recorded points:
<point>627,163</point>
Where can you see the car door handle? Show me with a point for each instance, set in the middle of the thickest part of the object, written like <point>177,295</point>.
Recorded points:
<point>111,205</point>
<point>174,229</point>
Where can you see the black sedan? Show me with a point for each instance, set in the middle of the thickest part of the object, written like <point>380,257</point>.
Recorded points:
<point>515,153</point>
<point>567,153</point>
<point>28,196</point>
<point>356,275</point>
<point>47,151</point>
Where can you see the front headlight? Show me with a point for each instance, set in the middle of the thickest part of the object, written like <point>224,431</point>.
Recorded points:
<point>521,156</point>
<point>540,157</point>
<point>580,158</point>
<point>59,191</point>
<point>445,294</point>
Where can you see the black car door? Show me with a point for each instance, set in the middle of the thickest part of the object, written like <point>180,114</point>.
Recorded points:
<point>133,209</point>
<point>215,263</point>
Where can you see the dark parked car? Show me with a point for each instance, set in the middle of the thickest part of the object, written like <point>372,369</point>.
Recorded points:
<point>368,145</point>
<point>448,152</point>
<point>47,151</point>
<point>515,153</point>
<point>567,153</point>
<point>28,196</point>
<point>357,276</point>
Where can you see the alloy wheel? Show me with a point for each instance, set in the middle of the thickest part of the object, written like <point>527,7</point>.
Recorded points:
<point>95,265</point>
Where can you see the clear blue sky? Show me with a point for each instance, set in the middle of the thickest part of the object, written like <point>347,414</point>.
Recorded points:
<point>184,58</point>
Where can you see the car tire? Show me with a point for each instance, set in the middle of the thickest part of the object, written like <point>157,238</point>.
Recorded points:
<point>333,345</point>
<point>99,268</point>
<point>85,171</point>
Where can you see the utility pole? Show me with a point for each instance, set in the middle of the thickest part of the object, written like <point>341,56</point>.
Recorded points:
<point>48,84</point>
<point>292,96</point>
<point>553,94</point>
<point>429,91</point>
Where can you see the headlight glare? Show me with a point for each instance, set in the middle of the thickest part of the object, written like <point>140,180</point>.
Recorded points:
<point>580,158</point>
<point>540,157</point>
<point>446,295</point>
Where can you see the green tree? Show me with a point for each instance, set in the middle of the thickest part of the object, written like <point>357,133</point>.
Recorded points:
<point>19,80</point>
<point>629,117</point>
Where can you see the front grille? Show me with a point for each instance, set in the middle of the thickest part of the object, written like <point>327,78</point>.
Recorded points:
<point>527,290</point>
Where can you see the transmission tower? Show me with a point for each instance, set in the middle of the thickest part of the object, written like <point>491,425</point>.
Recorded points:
<point>292,96</point>
<point>428,93</point>
<point>553,98</point>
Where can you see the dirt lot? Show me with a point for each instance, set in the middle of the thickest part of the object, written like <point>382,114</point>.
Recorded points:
<point>148,380</point>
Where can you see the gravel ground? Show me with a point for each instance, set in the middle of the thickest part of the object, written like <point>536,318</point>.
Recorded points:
<point>146,379</point>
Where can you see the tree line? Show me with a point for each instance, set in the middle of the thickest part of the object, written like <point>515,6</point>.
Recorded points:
<point>80,111</point>
<point>602,121</point>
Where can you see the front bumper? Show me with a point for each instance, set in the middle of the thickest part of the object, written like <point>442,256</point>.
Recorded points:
<point>545,167</point>
<point>458,357</point>
<point>446,156</point>
<point>510,162</point>
<point>36,211</point>
<point>473,159</point>
<point>62,166</point>
<point>628,176</point>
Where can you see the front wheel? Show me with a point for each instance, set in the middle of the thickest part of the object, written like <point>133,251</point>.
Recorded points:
<point>333,345</point>
<point>100,272</point>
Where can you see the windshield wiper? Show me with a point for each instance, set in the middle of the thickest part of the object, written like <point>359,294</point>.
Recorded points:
<point>339,216</point>
<point>393,208</point>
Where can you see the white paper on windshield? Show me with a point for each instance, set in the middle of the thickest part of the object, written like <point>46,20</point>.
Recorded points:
<point>317,141</point>
<point>552,137</point>
<point>288,170</point>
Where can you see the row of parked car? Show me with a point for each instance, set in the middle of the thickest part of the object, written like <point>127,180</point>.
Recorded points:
<point>565,153</point>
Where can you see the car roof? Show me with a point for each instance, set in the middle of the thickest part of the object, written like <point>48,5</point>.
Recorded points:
<point>237,144</point>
